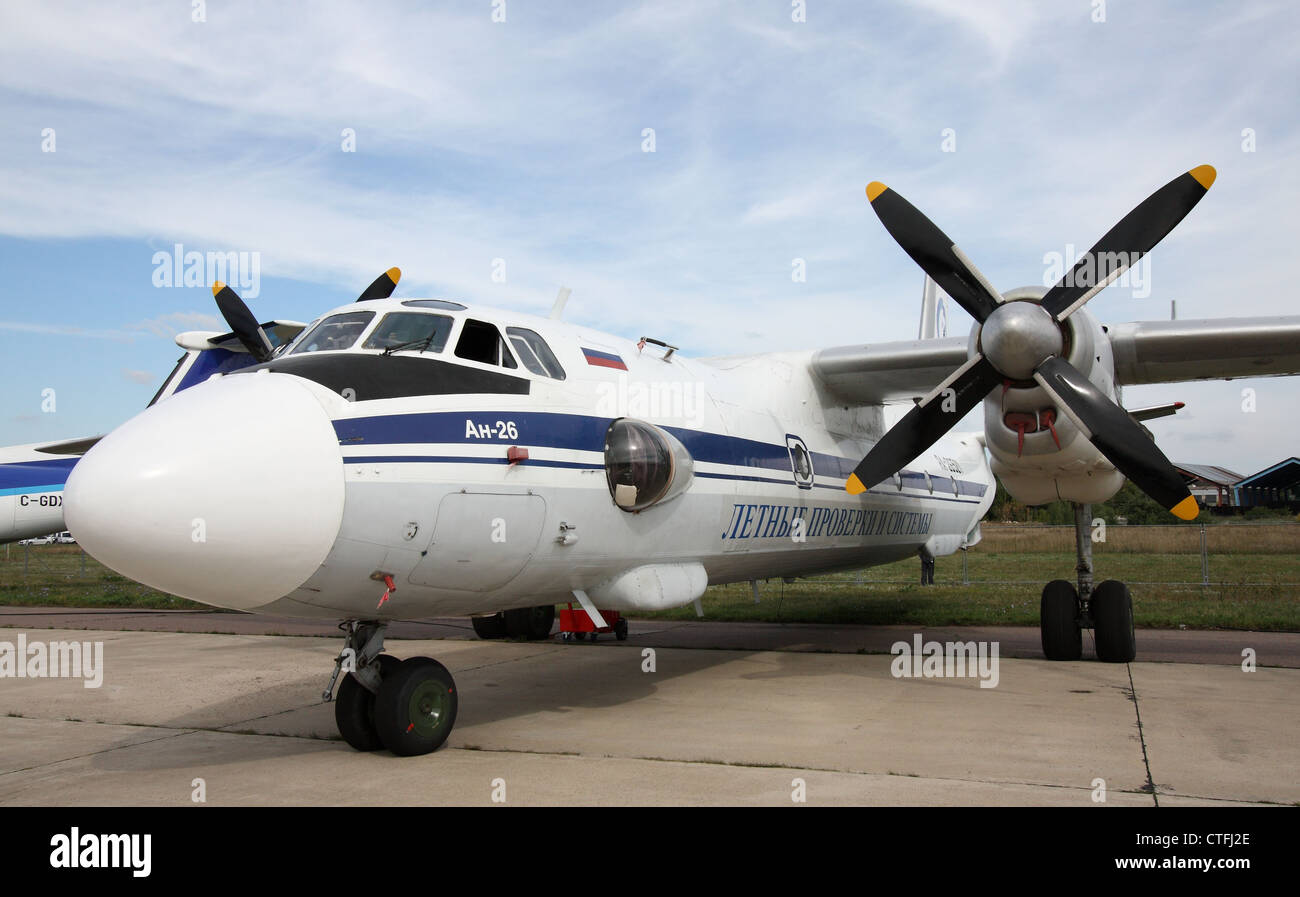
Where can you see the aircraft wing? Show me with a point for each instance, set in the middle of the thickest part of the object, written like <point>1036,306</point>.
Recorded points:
<point>1221,349</point>
<point>888,372</point>
<point>279,333</point>
<point>70,447</point>
<point>1144,351</point>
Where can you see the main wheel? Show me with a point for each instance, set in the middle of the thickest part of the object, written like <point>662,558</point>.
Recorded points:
<point>620,629</point>
<point>490,626</point>
<point>416,707</point>
<point>532,623</point>
<point>354,708</point>
<point>1058,621</point>
<point>1112,617</point>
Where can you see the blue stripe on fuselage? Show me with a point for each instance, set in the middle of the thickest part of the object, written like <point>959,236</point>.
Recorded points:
<point>23,477</point>
<point>580,432</point>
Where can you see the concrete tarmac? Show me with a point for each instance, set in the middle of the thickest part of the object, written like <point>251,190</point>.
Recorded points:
<point>576,723</point>
<point>1279,649</point>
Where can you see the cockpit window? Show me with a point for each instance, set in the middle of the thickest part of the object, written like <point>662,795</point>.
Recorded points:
<point>402,330</point>
<point>534,353</point>
<point>481,341</point>
<point>334,333</point>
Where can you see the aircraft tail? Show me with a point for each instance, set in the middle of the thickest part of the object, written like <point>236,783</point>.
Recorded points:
<point>934,312</point>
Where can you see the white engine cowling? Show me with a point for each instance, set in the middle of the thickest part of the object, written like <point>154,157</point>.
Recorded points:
<point>1038,452</point>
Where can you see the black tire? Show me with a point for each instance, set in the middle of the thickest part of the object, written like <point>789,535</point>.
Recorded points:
<point>531,623</point>
<point>620,629</point>
<point>415,709</point>
<point>354,708</point>
<point>489,627</point>
<point>1112,618</point>
<point>1058,621</point>
<point>580,636</point>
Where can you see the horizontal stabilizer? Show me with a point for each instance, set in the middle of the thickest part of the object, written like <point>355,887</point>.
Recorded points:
<point>1154,411</point>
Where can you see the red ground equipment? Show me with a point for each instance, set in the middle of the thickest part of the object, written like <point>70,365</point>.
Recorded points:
<point>577,623</point>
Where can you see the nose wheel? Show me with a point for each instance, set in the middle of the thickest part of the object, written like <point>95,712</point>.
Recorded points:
<point>416,707</point>
<point>354,708</point>
<point>408,706</point>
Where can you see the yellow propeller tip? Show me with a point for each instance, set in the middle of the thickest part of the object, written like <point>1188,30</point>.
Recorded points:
<point>217,287</point>
<point>1204,174</point>
<point>854,485</point>
<point>874,189</point>
<point>394,274</point>
<point>1186,509</point>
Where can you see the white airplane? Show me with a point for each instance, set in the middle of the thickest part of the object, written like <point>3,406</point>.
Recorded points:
<point>402,458</point>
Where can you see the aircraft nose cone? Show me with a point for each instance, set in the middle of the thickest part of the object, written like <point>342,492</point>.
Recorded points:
<point>229,493</point>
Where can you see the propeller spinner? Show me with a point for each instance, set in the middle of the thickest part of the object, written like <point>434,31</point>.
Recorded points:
<point>1023,340</point>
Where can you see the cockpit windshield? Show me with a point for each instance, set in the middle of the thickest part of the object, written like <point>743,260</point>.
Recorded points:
<point>334,333</point>
<point>418,332</point>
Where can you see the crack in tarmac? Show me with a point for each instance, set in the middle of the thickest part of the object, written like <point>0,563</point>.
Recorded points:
<point>1146,760</point>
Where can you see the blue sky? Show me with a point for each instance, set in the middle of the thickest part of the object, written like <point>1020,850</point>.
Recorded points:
<point>522,141</point>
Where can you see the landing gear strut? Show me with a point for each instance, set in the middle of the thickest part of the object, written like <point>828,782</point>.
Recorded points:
<point>1065,611</point>
<point>408,706</point>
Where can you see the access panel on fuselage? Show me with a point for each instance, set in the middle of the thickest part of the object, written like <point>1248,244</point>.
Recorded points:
<point>481,540</point>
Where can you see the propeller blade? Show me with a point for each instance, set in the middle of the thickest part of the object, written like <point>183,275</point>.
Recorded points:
<point>937,255</point>
<point>921,427</point>
<point>1117,436</point>
<point>383,285</point>
<point>1135,235</point>
<point>242,322</point>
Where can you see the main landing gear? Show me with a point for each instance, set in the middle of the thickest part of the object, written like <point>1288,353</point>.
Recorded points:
<point>531,623</point>
<point>408,706</point>
<point>1107,610</point>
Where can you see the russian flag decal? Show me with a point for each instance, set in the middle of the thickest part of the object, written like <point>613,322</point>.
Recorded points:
<point>603,359</point>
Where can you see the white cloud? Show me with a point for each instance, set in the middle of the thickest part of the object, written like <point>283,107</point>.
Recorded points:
<point>172,323</point>
<point>141,377</point>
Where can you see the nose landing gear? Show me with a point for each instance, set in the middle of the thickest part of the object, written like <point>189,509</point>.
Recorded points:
<point>1064,611</point>
<point>408,706</point>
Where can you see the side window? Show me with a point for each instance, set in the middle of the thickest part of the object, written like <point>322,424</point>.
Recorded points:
<point>534,353</point>
<point>481,341</point>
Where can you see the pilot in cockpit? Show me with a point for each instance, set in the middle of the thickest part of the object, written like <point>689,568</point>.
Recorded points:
<point>393,337</point>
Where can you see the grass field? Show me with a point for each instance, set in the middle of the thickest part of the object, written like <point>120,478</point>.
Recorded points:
<point>1254,572</point>
<point>61,576</point>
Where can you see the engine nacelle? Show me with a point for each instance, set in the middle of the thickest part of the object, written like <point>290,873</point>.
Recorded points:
<point>1038,452</point>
